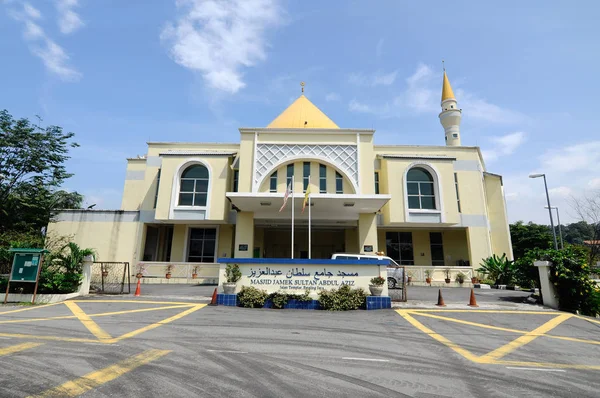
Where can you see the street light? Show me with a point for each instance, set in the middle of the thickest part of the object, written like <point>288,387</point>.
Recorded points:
<point>562,244</point>
<point>549,206</point>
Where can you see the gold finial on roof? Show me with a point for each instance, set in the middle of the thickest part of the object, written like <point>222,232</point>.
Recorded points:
<point>302,85</point>
<point>443,66</point>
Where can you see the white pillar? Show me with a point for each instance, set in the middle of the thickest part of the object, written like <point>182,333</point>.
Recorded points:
<point>84,288</point>
<point>547,288</point>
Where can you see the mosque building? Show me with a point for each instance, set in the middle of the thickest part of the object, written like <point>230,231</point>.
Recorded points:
<point>186,204</point>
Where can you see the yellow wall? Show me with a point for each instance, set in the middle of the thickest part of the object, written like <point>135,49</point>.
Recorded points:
<point>225,242</point>
<point>351,240</point>
<point>479,245</point>
<point>113,240</point>
<point>178,246</point>
<point>497,216</point>
<point>455,246</point>
<point>393,174</point>
<point>218,186</point>
<point>133,190</point>
<point>244,234</point>
<point>367,231</point>
<point>366,171</point>
<point>299,138</point>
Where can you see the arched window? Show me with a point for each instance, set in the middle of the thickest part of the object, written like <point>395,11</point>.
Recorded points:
<point>420,189</point>
<point>193,189</point>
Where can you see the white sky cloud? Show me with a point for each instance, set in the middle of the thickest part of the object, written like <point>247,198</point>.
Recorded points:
<point>504,145</point>
<point>377,79</point>
<point>571,172</point>
<point>68,20</point>
<point>54,57</point>
<point>221,38</point>
<point>332,97</point>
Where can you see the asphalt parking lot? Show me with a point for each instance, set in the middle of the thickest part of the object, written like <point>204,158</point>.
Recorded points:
<point>142,348</point>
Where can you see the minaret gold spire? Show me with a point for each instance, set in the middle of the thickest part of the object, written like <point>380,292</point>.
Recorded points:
<point>447,92</point>
<point>302,85</point>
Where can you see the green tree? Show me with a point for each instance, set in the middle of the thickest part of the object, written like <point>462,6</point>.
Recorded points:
<point>31,170</point>
<point>528,237</point>
<point>577,232</point>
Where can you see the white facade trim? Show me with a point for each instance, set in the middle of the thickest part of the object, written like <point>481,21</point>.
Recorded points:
<point>358,179</point>
<point>294,159</point>
<point>254,188</point>
<point>342,157</point>
<point>437,186</point>
<point>176,186</point>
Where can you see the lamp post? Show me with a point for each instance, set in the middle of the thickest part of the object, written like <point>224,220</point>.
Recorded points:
<point>549,206</point>
<point>562,244</point>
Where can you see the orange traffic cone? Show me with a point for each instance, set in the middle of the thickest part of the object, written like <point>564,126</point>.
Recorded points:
<point>138,290</point>
<point>440,302</point>
<point>214,298</point>
<point>472,301</point>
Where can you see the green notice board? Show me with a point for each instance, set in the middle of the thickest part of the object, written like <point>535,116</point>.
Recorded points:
<point>25,267</point>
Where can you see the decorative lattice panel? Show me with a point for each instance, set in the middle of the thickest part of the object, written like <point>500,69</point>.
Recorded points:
<point>344,157</point>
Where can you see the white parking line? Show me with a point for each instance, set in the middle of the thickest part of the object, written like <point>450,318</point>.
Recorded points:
<point>366,359</point>
<point>228,351</point>
<point>540,369</point>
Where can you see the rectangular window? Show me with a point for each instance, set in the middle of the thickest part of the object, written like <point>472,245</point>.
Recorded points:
<point>193,192</point>
<point>399,247</point>
<point>157,185</point>
<point>273,182</point>
<point>201,245</point>
<point>305,175</point>
<point>420,195</point>
<point>377,183</point>
<point>437,248</point>
<point>322,178</point>
<point>339,183</point>
<point>290,174</point>
<point>236,178</point>
<point>457,196</point>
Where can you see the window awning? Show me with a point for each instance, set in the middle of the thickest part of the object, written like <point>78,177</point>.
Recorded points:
<point>324,206</point>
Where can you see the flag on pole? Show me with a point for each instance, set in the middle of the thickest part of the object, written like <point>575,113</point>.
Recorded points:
<point>306,195</point>
<point>288,190</point>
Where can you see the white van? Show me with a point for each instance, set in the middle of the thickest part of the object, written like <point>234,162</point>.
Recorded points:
<point>395,274</point>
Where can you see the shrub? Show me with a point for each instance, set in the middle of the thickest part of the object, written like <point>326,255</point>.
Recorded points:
<point>377,281</point>
<point>570,273</point>
<point>342,299</point>
<point>251,297</point>
<point>499,269</point>
<point>488,282</point>
<point>233,273</point>
<point>460,277</point>
<point>279,300</point>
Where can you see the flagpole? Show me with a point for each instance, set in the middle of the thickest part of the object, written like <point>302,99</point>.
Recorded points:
<point>309,230</point>
<point>293,216</point>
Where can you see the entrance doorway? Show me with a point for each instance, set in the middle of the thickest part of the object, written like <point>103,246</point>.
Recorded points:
<point>325,242</point>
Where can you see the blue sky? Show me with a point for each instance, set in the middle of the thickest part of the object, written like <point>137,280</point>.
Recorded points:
<point>121,73</point>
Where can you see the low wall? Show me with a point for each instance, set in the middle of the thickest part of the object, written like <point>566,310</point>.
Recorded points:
<point>294,276</point>
<point>40,298</point>
<point>417,273</point>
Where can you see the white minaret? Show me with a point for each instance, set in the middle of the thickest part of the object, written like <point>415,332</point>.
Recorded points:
<point>451,115</point>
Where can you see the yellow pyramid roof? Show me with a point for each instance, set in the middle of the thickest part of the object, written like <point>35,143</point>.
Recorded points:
<point>303,114</point>
<point>447,89</point>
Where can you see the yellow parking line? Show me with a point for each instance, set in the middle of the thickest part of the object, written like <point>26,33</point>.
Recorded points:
<point>479,325</point>
<point>436,336</point>
<point>16,348</point>
<point>135,302</point>
<point>54,318</point>
<point>51,338</point>
<point>585,318</point>
<point>95,379</point>
<point>478,311</point>
<point>157,324</point>
<point>33,307</point>
<point>525,339</point>
<point>88,322</point>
